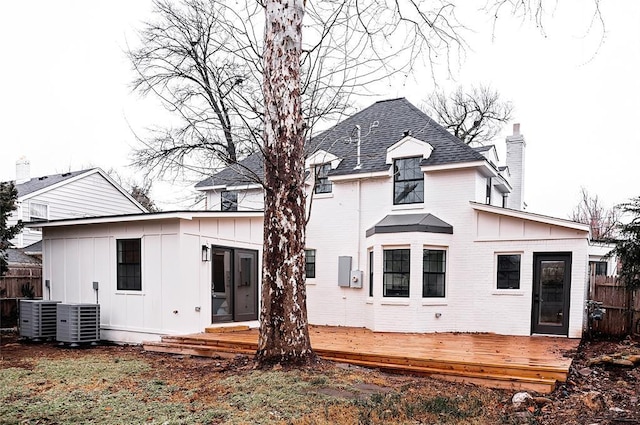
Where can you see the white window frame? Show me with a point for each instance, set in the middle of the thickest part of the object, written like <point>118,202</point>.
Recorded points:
<point>39,204</point>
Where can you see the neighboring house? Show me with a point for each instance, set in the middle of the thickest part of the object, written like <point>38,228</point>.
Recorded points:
<point>73,194</point>
<point>410,230</point>
<point>600,262</point>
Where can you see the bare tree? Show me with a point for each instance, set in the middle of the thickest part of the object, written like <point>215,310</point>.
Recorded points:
<point>602,221</point>
<point>474,115</point>
<point>198,58</point>
<point>141,194</point>
<point>204,60</point>
<point>140,191</point>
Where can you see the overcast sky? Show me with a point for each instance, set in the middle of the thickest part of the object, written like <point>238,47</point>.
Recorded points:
<point>66,102</point>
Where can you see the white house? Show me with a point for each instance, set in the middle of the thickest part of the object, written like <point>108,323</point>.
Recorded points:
<point>73,194</point>
<point>410,230</point>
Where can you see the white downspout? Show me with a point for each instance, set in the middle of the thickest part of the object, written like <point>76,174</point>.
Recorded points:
<point>359,220</point>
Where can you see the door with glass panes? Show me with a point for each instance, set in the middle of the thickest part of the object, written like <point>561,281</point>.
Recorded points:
<point>234,284</point>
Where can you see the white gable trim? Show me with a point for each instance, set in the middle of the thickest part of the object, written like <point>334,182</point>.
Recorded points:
<point>539,218</point>
<point>322,157</point>
<point>407,147</point>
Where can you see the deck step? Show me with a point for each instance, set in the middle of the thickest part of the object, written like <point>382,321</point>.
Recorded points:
<point>225,329</point>
<point>533,372</point>
<point>194,350</point>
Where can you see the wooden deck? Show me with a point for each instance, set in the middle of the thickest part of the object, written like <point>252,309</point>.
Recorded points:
<point>527,363</point>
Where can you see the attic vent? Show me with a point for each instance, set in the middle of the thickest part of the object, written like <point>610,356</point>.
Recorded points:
<point>407,133</point>
<point>43,177</point>
<point>65,174</point>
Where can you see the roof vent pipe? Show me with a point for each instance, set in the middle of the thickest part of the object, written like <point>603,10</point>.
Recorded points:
<point>357,132</point>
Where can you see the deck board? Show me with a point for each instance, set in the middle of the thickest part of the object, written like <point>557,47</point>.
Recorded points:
<point>502,361</point>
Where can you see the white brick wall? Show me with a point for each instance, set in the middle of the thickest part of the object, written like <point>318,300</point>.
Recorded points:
<point>472,302</point>
<point>338,225</point>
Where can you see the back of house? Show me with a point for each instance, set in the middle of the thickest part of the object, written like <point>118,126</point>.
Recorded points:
<point>411,230</point>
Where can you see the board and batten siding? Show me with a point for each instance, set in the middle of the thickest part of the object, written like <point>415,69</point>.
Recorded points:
<point>176,283</point>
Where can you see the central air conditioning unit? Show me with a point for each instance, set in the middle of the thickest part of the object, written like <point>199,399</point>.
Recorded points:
<point>78,323</point>
<point>38,319</point>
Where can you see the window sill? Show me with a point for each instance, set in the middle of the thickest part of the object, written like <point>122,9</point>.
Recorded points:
<point>402,207</point>
<point>434,302</point>
<point>508,292</point>
<point>370,300</point>
<point>138,293</point>
<point>322,195</point>
<point>310,281</point>
<point>395,302</point>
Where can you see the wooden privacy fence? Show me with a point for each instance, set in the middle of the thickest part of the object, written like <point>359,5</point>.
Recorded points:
<point>17,284</point>
<point>622,306</point>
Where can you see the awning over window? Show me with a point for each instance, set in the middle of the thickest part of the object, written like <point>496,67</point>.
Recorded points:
<point>397,223</point>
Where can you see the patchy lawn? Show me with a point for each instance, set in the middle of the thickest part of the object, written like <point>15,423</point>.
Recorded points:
<point>44,384</point>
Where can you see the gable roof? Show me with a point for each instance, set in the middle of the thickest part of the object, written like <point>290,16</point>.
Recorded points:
<point>381,125</point>
<point>39,183</point>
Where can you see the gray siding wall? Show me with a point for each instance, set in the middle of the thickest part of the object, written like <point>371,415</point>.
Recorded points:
<point>89,196</point>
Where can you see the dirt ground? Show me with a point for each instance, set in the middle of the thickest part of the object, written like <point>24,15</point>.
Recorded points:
<point>602,393</point>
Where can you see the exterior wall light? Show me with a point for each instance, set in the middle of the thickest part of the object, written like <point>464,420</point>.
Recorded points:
<point>205,253</point>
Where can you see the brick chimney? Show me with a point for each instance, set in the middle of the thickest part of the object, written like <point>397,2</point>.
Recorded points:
<point>23,170</point>
<point>515,161</point>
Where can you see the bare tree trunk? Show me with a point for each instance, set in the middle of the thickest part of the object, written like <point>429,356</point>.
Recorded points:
<point>284,333</point>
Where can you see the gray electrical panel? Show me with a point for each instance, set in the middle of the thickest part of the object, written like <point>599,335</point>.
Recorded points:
<point>38,319</point>
<point>344,271</point>
<point>78,323</point>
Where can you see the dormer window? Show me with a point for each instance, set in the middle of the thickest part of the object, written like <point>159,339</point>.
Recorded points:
<point>408,181</point>
<point>488,195</point>
<point>229,200</point>
<point>323,185</point>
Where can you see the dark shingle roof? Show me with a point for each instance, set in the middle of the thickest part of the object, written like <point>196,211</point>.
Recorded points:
<point>17,256</point>
<point>247,171</point>
<point>38,183</point>
<point>397,223</point>
<point>34,247</point>
<point>381,125</point>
